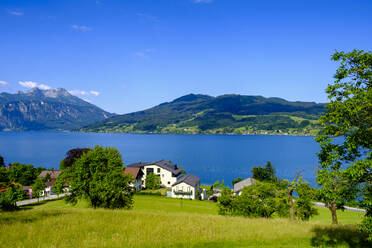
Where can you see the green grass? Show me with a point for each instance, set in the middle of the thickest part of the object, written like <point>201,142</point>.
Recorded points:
<point>164,222</point>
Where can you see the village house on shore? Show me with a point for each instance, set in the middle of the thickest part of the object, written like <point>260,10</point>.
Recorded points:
<point>171,176</point>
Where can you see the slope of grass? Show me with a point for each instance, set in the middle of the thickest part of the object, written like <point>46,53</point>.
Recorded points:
<point>163,222</point>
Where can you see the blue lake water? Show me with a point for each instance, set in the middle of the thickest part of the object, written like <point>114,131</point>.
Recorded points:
<point>210,157</point>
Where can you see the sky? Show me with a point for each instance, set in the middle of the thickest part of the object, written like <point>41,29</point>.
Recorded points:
<point>129,55</point>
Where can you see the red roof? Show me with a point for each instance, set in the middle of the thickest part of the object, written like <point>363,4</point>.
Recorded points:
<point>133,171</point>
<point>53,174</point>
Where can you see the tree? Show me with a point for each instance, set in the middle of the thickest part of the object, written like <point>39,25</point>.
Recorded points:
<point>9,198</point>
<point>304,207</point>
<point>4,177</point>
<point>259,200</point>
<point>153,181</point>
<point>23,174</point>
<point>291,189</point>
<point>71,156</point>
<point>38,188</point>
<point>345,163</point>
<point>98,177</point>
<point>266,173</point>
<point>58,187</point>
<point>225,201</point>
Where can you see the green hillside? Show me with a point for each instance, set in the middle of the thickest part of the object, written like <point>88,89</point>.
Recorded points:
<point>236,114</point>
<point>164,222</point>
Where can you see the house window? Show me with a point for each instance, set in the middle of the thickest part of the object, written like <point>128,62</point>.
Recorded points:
<point>158,170</point>
<point>149,171</point>
<point>168,182</point>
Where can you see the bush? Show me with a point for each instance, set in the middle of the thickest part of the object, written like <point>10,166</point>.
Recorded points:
<point>366,227</point>
<point>256,201</point>
<point>153,181</point>
<point>225,201</point>
<point>9,198</point>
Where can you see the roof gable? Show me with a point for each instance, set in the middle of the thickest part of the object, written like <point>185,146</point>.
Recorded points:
<point>166,165</point>
<point>188,179</point>
<point>53,173</point>
<point>135,172</point>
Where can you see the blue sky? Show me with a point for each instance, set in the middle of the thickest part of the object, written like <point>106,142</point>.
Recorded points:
<point>129,55</point>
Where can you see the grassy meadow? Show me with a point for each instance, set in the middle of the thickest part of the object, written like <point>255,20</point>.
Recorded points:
<point>164,222</point>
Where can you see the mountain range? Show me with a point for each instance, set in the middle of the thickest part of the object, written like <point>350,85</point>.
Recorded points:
<point>53,109</point>
<point>236,114</point>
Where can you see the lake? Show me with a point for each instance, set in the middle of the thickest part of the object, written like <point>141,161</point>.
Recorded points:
<point>210,157</point>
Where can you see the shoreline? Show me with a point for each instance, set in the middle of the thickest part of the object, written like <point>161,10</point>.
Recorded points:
<point>150,133</point>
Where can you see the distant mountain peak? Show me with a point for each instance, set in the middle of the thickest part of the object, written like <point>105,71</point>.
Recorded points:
<point>52,93</point>
<point>53,109</point>
<point>192,97</point>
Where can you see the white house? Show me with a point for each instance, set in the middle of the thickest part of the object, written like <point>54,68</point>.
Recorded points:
<point>187,187</point>
<point>167,171</point>
<point>137,175</point>
<point>238,187</point>
<point>53,174</point>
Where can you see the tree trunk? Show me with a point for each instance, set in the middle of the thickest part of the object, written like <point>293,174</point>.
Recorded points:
<point>291,188</point>
<point>290,202</point>
<point>334,214</point>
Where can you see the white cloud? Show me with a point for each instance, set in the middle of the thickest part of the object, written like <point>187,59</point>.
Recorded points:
<point>16,13</point>
<point>202,1</point>
<point>30,84</point>
<point>44,87</point>
<point>3,83</point>
<point>95,93</point>
<point>84,93</point>
<point>81,28</point>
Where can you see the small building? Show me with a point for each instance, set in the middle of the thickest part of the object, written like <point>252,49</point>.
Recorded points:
<point>238,187</point>
<point>187,187</point>
<point>167,171</point>
<point>137,175</point>
<point>53,174</point>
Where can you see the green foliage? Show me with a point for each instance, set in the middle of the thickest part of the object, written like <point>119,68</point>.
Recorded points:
<point>24,174</point>
<point>258,200</point>
<point>266,173</point>
<point>346,165</point>
<point>58,187</point>
<point>98,177</point>
<point>153,181</point>
<point>304,207</point>
<point>4,177</point>
<point>9,198</point>
<point>236,180</point>
<point>225,201</point>
<point>38,187</point>
<point>366,227</point>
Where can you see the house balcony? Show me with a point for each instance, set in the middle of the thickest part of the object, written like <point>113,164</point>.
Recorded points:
<point>182,192</point>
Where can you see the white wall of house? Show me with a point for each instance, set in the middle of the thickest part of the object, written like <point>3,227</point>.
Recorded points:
<point>189,192</point>
<point>167,180</point>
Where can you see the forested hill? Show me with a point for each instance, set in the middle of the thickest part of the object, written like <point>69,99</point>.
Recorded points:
<point>223,114</point>
<point>53,109</point>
